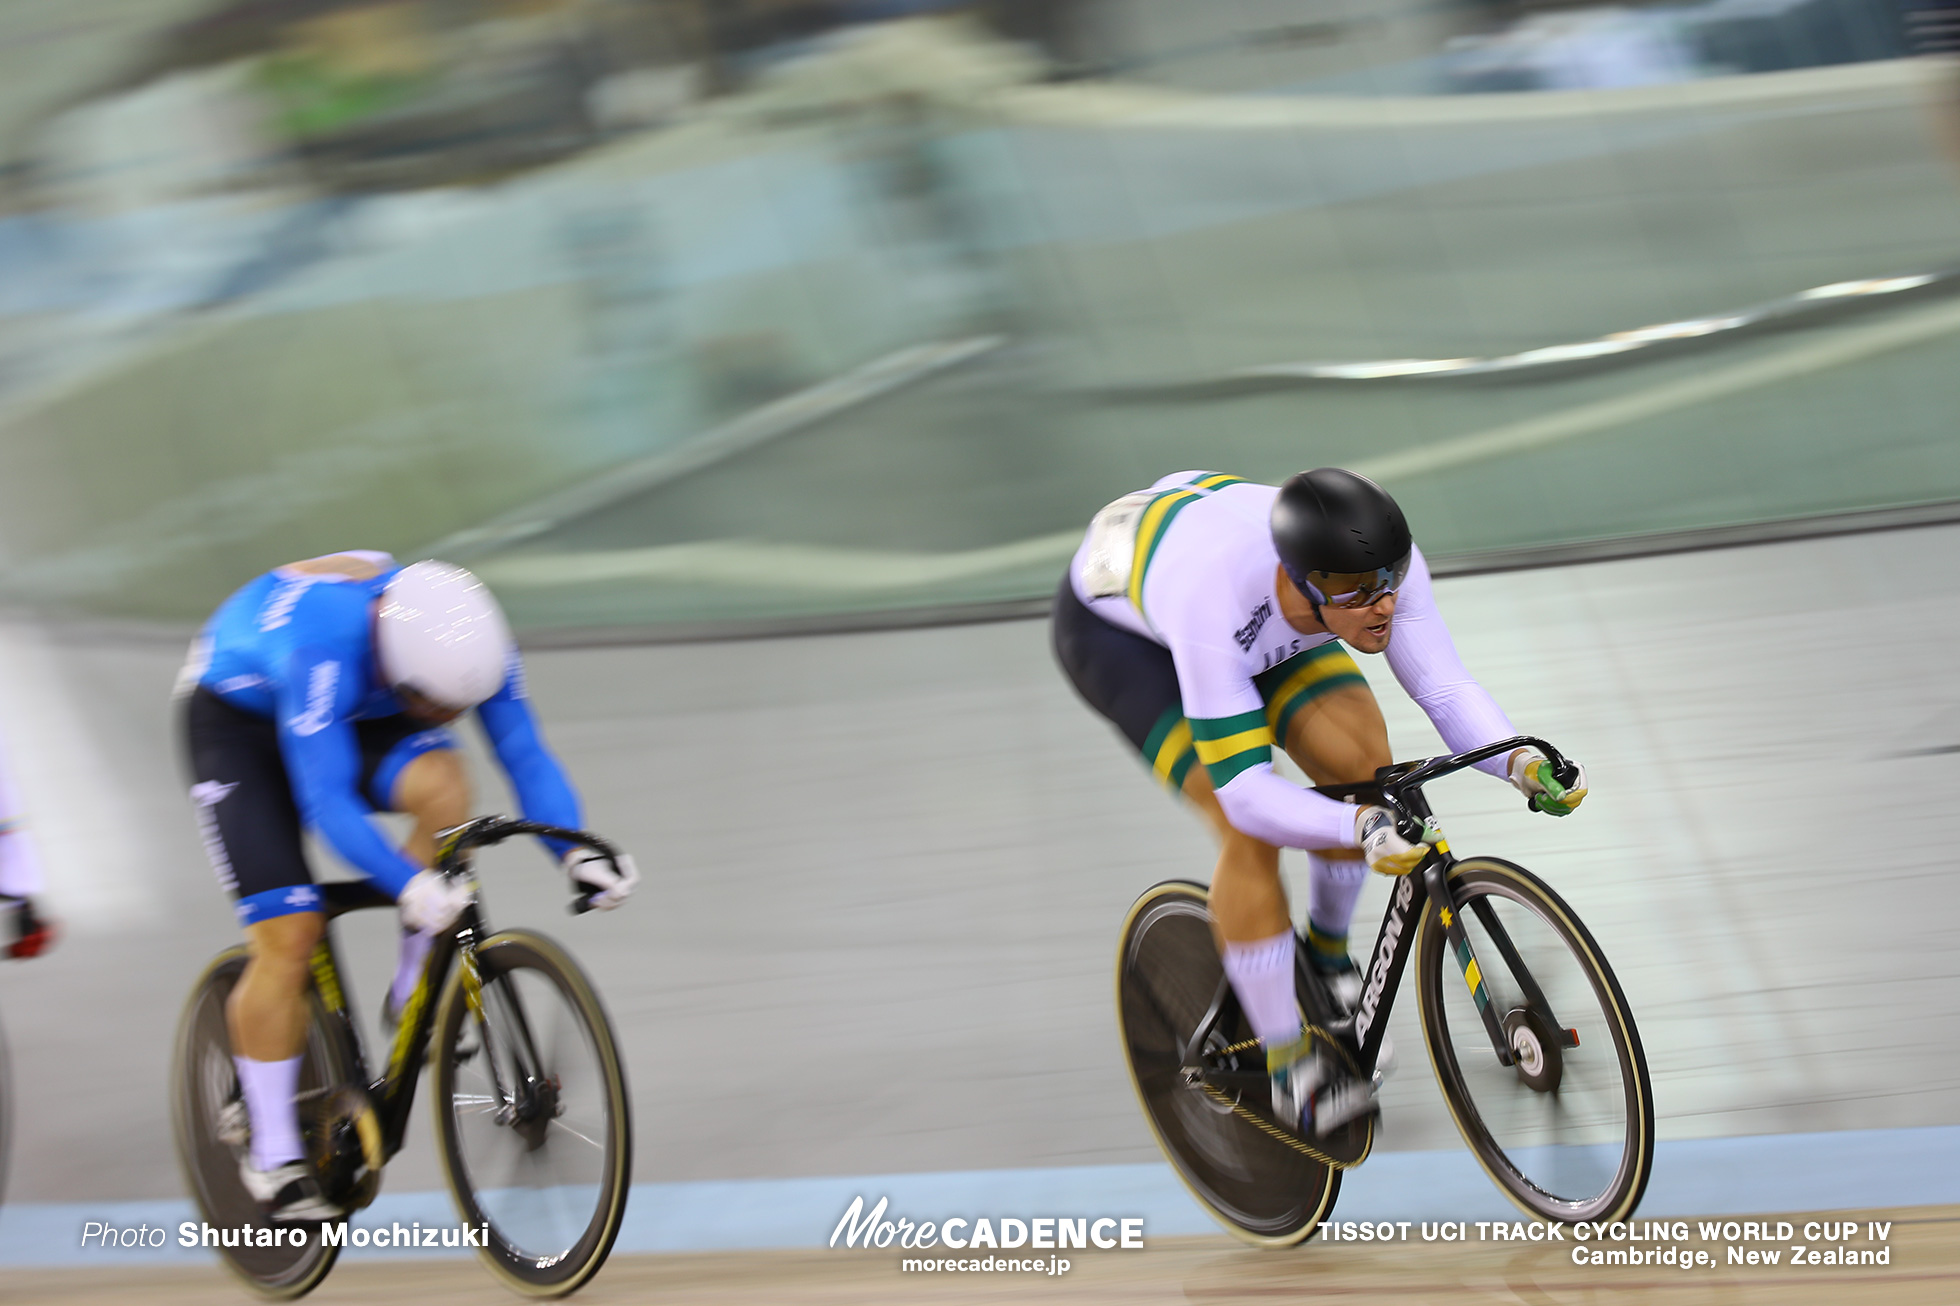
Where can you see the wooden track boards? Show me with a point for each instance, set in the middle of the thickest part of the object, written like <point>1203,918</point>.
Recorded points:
<point>1925,1270</point>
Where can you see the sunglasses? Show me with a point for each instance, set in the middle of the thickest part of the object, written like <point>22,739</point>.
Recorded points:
<point>1354,589</point>
<point>422,707</point>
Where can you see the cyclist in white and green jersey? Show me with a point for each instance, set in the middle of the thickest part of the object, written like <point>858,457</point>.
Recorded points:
<point>1209,618</point>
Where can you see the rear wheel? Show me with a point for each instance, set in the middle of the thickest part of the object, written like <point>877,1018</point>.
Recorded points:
<point>532,1115</point>
<point>212,1136</point>
<point>1256,1179</point>
<point>1566,1130</point>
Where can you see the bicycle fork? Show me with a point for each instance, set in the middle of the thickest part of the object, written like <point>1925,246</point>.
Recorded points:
<point>1435,880</point>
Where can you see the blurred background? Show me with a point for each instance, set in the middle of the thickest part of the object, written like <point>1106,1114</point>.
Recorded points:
<point>683,320</point>
<point>708,313</point>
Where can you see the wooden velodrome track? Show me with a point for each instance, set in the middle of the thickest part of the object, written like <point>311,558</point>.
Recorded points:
<point>863,938</point>
<point>1925,1268</point>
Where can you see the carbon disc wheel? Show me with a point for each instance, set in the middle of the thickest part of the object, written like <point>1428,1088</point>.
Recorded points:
<point>1252,1176</point>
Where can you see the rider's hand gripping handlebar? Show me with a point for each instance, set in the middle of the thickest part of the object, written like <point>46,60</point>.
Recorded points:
<point>1401,784</point>
<point>455,845</point>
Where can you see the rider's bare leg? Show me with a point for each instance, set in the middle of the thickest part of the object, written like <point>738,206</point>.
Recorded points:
<point>434,788</point>
<point>1338,738</point>
<point>1250,918</point>
<point>266,1017</point>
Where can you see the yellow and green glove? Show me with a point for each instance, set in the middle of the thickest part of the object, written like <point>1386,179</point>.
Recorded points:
<point>1532,776</point>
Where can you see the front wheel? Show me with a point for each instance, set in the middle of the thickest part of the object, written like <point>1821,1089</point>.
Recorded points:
<point>1567,1129</point>
<point>1260,1182</point>
<point>531,1113</point>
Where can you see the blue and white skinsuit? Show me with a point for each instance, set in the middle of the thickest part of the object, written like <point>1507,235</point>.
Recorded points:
<point>287,720</point>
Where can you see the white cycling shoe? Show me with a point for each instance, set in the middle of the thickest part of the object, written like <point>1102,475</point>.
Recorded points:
<point>1310,1095</point>
<point>288,1194</point>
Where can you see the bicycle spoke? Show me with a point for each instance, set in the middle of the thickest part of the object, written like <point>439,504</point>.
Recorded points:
<point>536,1144</point>
<point>583,1138</point>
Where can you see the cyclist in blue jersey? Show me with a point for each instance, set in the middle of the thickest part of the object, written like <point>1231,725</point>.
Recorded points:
<point>316,696</point>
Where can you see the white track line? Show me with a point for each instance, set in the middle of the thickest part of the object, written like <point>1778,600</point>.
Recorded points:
<point>757,427</point>
<point>752,564</point>
<point>1903,331</point>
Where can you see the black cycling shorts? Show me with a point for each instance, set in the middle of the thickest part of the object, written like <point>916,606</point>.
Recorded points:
<point>244,798</point>
<point>1128,679</point>
<point>1133,682</point>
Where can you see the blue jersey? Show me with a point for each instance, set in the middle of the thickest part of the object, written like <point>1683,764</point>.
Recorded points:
<point>298,647</point>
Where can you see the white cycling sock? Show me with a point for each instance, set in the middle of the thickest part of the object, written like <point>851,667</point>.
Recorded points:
<point>1333,888</point>
<point>408,966</point>
<point>269,1087</point>
<point>1262,975</point>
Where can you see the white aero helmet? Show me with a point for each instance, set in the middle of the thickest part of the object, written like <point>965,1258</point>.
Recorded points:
<point>441,634</point>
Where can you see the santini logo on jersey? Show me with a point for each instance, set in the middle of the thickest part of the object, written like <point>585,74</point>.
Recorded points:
<point>284,599</point>
<point>1249,632</point>
<point>320,685</point>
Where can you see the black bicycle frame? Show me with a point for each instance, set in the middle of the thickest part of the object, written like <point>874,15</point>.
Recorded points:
<point>393,1095</point>
<point>1399,788</point>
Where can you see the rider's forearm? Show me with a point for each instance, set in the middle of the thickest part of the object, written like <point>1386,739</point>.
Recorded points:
<point>345,825</point>
<point>20,862</point>
<point>1467,717</point>
<point>1261,804</point>
<point>20,856</point>
<point>1425,661</point>
<point>325,771</point>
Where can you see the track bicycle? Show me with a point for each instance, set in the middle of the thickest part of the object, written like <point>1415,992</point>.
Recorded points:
<point>1527,1029</point>
<point>532,1119</point>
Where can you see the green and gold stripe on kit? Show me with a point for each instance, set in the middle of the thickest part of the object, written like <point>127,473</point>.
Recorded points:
<point>1168,748</point>
<point>1157,519</point>
<point>1301,679</point>
<point>1228,745</point>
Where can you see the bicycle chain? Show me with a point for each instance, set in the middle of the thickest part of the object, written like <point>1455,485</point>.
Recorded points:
<point>1266,1126</point>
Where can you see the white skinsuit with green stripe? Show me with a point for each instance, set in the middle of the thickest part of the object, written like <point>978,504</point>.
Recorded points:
<point>1201,583</point>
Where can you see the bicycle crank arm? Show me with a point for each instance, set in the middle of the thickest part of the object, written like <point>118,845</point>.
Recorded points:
<point>1240,1081</point>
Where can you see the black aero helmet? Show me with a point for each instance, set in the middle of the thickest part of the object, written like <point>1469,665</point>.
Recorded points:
<point>1341,540</point>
